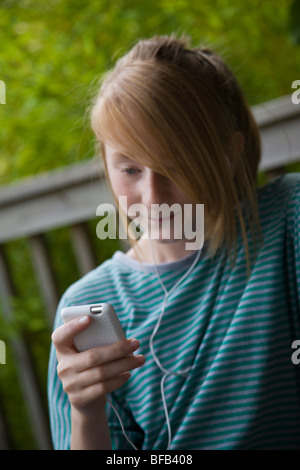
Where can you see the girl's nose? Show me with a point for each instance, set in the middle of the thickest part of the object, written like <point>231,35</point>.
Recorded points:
<point>155,190</point>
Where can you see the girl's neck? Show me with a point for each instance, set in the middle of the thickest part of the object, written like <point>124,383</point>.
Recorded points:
<point>159,252</point>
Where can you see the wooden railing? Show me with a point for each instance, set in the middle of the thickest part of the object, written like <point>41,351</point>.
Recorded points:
<point>69,197</point>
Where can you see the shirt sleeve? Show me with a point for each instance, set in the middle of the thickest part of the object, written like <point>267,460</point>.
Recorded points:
<point>121,439</point>
<point>58,402</point>
<point>60,408</point>
<point>293,239</point>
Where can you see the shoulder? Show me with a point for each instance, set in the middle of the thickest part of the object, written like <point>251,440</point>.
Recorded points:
<point>293,206</point>
<point>282,188</point>
<point>279,203</point>
<point>101,277</point>
<point>91,288</point>
<point>281,195</point>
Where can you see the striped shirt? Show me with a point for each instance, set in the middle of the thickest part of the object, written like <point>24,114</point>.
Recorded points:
<point>234,333</point>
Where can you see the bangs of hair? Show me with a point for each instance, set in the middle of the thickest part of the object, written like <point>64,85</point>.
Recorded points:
<point>117,118</point>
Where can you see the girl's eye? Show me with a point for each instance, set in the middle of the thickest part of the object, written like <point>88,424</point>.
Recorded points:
<point>130,171</point>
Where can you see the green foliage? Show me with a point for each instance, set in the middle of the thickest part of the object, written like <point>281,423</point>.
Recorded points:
<point>52,53</point>
<point>294,22</point>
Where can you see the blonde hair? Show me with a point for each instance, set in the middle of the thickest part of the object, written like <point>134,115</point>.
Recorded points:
<point>190,103</point>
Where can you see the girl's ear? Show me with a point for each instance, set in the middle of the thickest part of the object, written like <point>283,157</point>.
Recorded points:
<point>235,149</point>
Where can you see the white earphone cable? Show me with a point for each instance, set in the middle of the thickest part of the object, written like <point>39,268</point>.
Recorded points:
<point>121,423</point>
<point>165,371</point>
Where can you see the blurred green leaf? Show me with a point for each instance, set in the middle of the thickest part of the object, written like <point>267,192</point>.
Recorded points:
<point>294,22</point>
<point>53,51</point>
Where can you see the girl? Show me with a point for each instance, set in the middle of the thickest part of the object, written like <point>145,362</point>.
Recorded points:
<point>214,325</point>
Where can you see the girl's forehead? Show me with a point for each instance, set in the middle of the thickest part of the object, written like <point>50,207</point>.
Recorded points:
<point>123,152</point>
<point>114,150</point>
<point>136,145</point>
<point>143,141</point>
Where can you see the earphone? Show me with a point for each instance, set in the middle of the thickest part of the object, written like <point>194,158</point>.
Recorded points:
<point>166,372</point>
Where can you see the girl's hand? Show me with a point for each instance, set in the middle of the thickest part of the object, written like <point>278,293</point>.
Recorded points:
<point>88,376</point>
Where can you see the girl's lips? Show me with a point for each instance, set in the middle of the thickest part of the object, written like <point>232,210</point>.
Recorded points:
<point>160,218</point>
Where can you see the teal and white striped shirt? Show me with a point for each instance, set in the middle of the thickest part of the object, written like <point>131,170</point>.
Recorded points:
<point>235,333</point>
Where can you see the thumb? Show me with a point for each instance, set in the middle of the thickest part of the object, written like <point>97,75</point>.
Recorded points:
<point>63,336</point>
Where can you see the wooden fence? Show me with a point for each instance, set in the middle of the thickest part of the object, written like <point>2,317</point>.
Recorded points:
<point>69,197</point>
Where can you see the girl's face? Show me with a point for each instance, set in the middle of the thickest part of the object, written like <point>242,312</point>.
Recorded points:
<point>141,185</point>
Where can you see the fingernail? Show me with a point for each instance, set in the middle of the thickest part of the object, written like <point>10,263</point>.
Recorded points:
<point>140,358</point>
<point>134,343</point>
<point>83,320</point>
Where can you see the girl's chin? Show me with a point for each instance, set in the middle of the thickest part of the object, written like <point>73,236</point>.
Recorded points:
<point>163,240</point>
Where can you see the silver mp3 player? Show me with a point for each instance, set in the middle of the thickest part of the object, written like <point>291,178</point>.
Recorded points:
<point>105,327</point>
